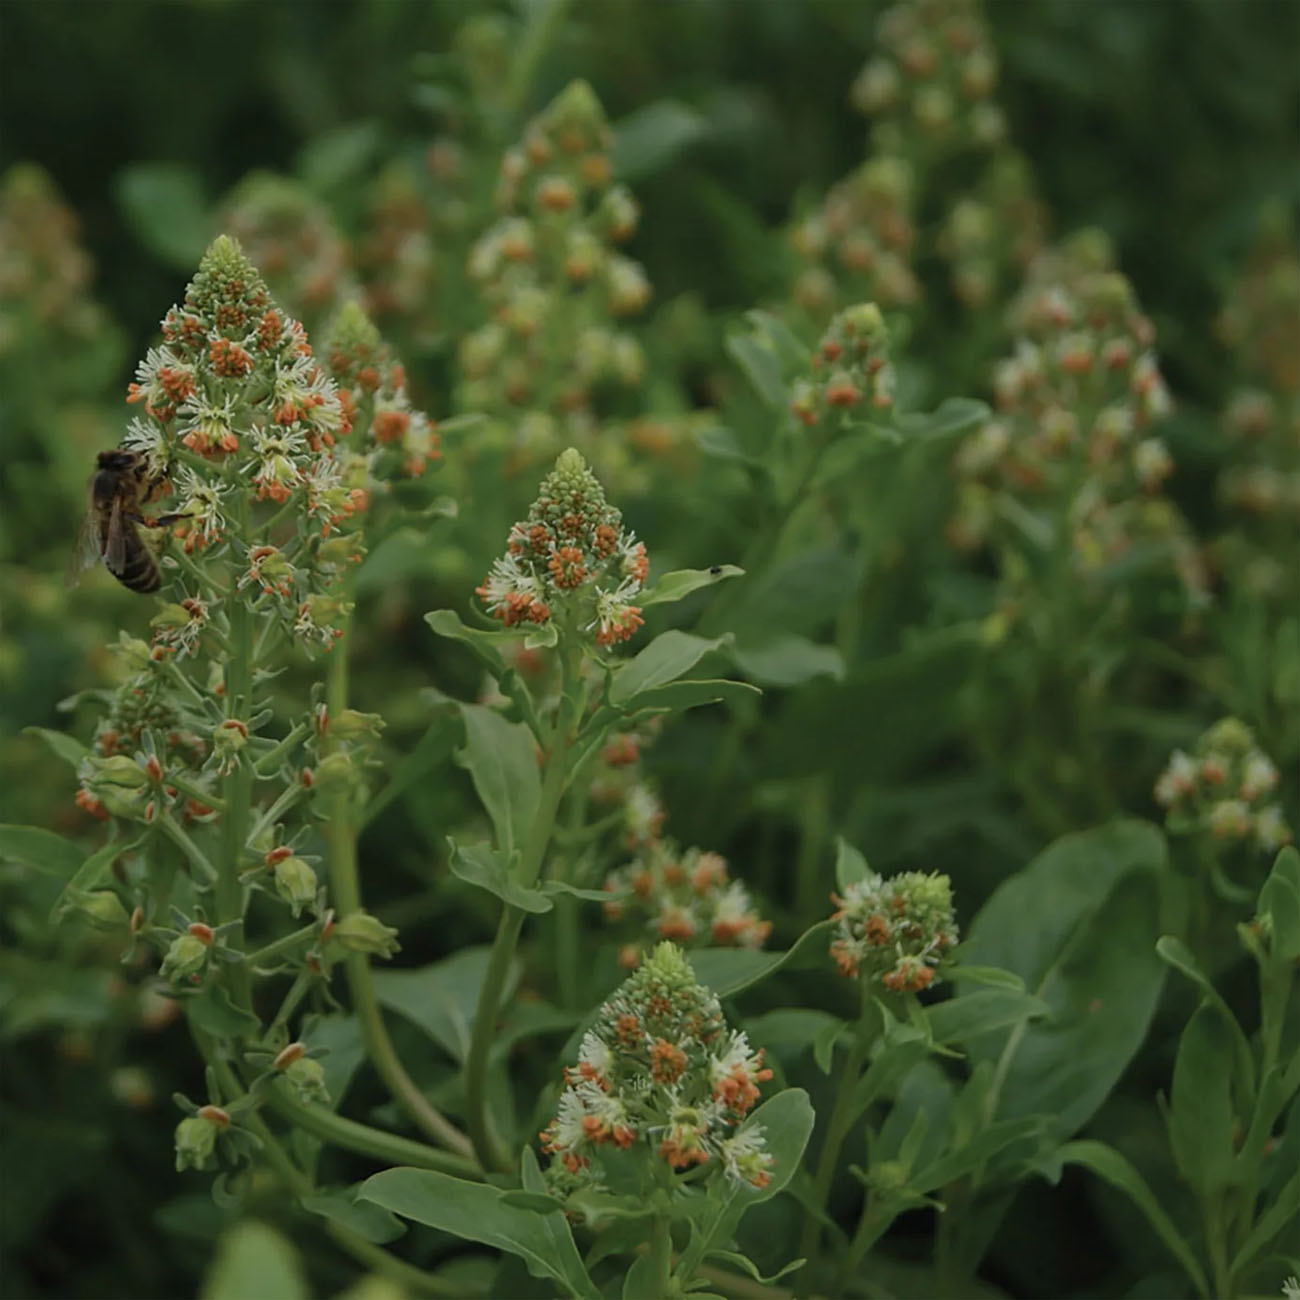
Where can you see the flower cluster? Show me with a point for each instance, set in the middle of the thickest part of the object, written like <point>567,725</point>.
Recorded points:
<point>684,896</point>
<point>929,92</point>
<point>659,1078</point>
<point>570,559</point>
<point>850,368</point>
<point>291,238</point>
<point>1078,403</point>
<point>894,930</point>
<point>1260,479</point>
<point>553,282</point>
<point>991,236</point>
<point>858,244</point>
<point>372,388</point>
<point>395,253</point>
<point>1227,786</point>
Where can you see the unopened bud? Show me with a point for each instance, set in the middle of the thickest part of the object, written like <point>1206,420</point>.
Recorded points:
<point>186,957</point>
<point>295,882</point>
<point>361,932</point>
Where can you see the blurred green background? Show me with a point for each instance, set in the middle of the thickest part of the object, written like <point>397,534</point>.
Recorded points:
<point>1169,125</point>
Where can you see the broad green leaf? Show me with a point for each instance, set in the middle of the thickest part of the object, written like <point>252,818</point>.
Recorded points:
<point>476,1212</point>
<point>1200,1104</point>
<point>253,1260</point>
<point>165,207</point>
<point>789,1031</point>
<point>728,971</point>
<point>693,693</point>
<point>340,1037</point>
<point>484,642</point>
<point>651,137</point>
<point>33,846</point>
<point>68,748</point>
<point>970,1015</point>
<point>1108,1164</point>
<point>787,1123</point>
<point>1175,953</point>
<point>955,415</point>
<point>365,1219</point>
<point>91,873</point>
<point>1280,899</point>
<point>1078,925</point>
<point>664,660</point>
<point>479,864</point>
<point>762,368</point>
<point>441,998</point>
<point>212,1011</point>
<point>850,865</point>
<point>501,758</point>
<point>990,977</point>
<point>681,582</point>
<point>640,1282</point>
<point>785,659</point>
<point>980,1151</point>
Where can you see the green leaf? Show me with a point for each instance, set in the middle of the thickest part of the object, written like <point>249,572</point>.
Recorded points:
<point>787,1123</point>
<point>1108,1164</point>
<point>212,1011</point>
<point>1280,899</point>
<point>747,1265</point>
<point>722,444</point>
<point>33,846</point>
<point>970,1015</point>
<point>850,866</point>
<point>68,748</point>
<point>484,642</point>
<point>254,1260</point>
<point>785,659</point>
<point>339,1036</point>
<point>795,354</point>
<point>476,1212</point>
<point>441,998</point>
<point>165,207</point>
<point>478,864</point>
<point>1283,1213</point>
<point>762,368</point>
<point>362,1217</point>
<point>677,697</point>
<point>501,758</point>
<point>982,1149</point>
<point>990,977</point>
<point>955,415</point>
<point>789,1031</point>
<point>1175,953</point>
<point>651,137</point>
<point>728,971</point>
<point>91,873</point>
<point>1200,1109</point>
<point>1078,925</point>
<point>681,582</point>
<point>664,660</point>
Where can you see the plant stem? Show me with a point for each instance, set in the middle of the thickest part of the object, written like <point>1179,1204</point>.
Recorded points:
<point>205,797</point>
<point>391,1148</point>
<point>281,946</point>
<point>837,1128</point>
<point>180,837</point>
<point>486,1144</point>
<point>265,765</point>
<point>661,1255</point>
<point>345,891</point>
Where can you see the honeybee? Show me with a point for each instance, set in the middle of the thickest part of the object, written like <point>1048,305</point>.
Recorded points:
<point>119,488</point>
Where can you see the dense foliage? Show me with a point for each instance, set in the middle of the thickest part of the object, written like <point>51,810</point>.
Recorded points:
<point>722,710</point>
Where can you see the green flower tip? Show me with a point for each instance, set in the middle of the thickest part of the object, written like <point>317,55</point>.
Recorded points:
<point>577,105</point>
<point>1229,736</point>
<point>352,331</point>
<point>667,963</point>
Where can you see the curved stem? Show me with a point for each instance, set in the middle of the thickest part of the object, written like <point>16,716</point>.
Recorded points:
<point>345,890</point>
<point>368,1141</point>
<point>486,1143</point>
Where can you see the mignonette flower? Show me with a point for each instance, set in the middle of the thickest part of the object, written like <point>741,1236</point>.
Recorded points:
<point>660,1077</point>
<point>851,367</point>
<point>894,930</point>
<point>1226,786</point>
<point>687,897</point>
<point>572,559</point>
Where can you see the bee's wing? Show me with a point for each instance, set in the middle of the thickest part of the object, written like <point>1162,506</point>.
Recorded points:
<point>115,539</point>
<point>89,548</point>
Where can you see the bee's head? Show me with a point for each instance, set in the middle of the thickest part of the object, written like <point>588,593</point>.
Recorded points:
<point>116,461</point>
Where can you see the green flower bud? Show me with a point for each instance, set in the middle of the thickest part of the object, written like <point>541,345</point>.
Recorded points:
<point>335,774</point>
<point>296,883</point>
<point>100,908</point>
<point>195,1139</point>
<point>352,725</point>
<point>308,1079</point>
<point>361,932</point>
<point>118,770</point>
<point>186,957</point>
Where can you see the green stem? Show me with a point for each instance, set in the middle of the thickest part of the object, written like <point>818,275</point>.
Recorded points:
<point>486,1143</point>
<point>199,795</point>
<point>391,1148</point>
<point>168,825</point>
<point>279,947</point>
<point>836,1131</point>
<point>284,801</point>
<point>266,765</point>
<point>345,891</point>
<point>661,1255</point>
<point>297,991</point>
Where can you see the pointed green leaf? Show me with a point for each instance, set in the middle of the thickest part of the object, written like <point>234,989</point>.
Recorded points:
<point>362,1217</point>
<point>68,748</point>
<point>501,758</point>
<point>478,864</point>
<point>680,583</point>
<point>785,659</point>
<point>664,660</point>
<point>91,873</point>
<point>850,866</point>
<point>1201,1112</point>
<point>728,971</point>
<point>43,850</point>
